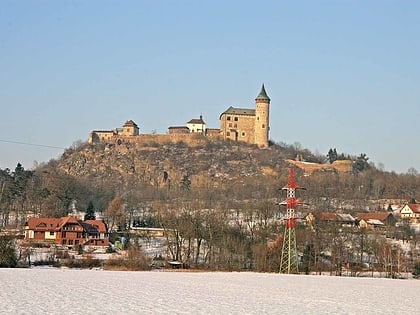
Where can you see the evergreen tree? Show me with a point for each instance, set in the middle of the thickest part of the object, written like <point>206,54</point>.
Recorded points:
<point>185,183</point>
<point>332,155</point>
<point>8,258</point>
<point>90,212</point>
<point>361,163</point>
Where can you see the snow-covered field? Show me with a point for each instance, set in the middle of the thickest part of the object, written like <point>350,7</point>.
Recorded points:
<point>65,291</point>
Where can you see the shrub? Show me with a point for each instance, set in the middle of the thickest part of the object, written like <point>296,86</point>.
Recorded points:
<point>8,258</point>
<point>416,271</point>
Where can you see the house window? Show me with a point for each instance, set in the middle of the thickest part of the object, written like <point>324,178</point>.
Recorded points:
<point>236,118</point>
<point>228,118</point>
<point>51,233</point>
<point>228,134</point>
<point>230,125</point>
<point>70,242</point>
<point>235,126</point>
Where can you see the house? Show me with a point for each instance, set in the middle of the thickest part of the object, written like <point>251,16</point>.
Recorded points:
<point>197,125</point>
<point>342,219</point>
<point>375,219</point>
<point>410,212</point>
<point>68,231</point>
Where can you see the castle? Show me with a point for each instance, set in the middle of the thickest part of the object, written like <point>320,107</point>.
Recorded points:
<point>236,124</point>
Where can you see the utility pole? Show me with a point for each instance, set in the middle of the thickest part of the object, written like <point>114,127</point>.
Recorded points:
<point>289,257</point>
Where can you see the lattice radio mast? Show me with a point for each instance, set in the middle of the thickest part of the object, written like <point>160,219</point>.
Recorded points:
<point>289,256</point>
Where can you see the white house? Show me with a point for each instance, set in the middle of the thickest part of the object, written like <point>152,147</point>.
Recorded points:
<point>197,125</point>
<point>411,212</point>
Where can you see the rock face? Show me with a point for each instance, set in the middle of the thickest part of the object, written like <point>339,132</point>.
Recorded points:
<point>340,166</point>
<point>156,164</point>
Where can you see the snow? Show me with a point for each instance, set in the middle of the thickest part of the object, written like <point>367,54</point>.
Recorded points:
<point>68,291</point>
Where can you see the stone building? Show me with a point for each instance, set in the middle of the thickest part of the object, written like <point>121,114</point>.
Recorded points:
<point>236,124</point>
<point>128,129</point>
<point>247,125</point>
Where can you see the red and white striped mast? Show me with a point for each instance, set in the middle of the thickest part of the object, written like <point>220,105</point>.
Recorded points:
<point>289,257</point>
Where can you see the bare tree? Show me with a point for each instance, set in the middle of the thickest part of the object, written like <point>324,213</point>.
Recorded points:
<point>115,214</point>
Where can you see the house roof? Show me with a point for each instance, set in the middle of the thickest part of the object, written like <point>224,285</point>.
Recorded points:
<point>178,127</point>
<point>130,123</point>
<point>345,217</point>
<point>42,224</point>
<point>99,225</point>
<point>239,111</point>
<point>54,224</point>
<point>198,121</point>
<point>326,216</point>
<point>330,216</point>
<point>415,207</point>
<point>67,220</point>
<point>381,216</point>
<point>374,222</point>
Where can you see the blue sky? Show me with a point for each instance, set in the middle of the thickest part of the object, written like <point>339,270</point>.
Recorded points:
<point>340,74</point>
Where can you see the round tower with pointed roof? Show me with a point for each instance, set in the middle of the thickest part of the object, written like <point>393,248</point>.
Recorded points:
<point>262,115</point>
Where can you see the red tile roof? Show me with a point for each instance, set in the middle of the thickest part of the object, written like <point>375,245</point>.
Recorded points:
<point>43,224</point>
<point>381,216</point>
<point>415,207</point>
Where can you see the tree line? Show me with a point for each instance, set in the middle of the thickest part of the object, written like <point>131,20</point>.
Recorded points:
<point>217,223</point>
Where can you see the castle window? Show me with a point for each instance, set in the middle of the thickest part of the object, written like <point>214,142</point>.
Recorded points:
<point>228,134</point>
<point>263,126</point>
<point>243,134</point>
<point>228,118</point>
<point>236,118</point>
<point>258,118</point>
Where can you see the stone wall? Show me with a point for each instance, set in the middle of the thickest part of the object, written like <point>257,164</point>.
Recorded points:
<point>190,139</point>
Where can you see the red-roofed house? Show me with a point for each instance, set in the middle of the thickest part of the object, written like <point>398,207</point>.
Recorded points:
<point>376,219</point>
<point>342,219</point>
<point>67,231</point>
<point>411,212</point>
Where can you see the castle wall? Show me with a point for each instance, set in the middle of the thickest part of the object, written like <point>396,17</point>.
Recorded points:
<point>101,136</point>
<point>245,125</point>
<point>191,139</point>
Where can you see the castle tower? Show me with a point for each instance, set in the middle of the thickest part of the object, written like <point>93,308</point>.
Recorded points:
<point>130,128</point>
<point>262,111</point>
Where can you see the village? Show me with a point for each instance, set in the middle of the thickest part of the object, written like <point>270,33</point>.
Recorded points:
<point>55,241</point>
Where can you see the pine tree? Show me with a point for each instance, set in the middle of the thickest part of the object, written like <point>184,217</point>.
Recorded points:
<point>90,212</point>
<point>185,183</point>
<point>8,258</point>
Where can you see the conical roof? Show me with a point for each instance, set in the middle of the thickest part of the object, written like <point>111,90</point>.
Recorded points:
<point>263,95</point>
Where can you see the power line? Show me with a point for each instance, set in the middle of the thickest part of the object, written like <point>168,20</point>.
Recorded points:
<point>32,144</point>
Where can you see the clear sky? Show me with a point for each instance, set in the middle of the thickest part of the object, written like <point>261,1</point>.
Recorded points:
<point>340,74</point>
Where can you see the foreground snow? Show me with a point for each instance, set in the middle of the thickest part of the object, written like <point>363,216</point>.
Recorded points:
<point>65,291</point>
